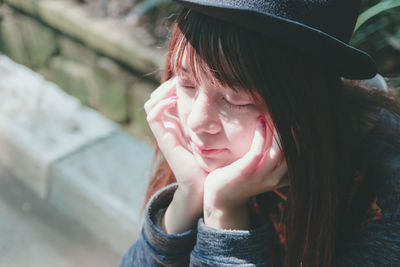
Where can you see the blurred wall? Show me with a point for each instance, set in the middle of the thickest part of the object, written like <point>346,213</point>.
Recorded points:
<point>96,62</point>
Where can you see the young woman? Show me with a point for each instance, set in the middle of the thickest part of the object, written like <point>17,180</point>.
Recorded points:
<point>266,155</point>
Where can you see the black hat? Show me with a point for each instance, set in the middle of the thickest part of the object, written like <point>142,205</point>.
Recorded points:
<point>321,28</point>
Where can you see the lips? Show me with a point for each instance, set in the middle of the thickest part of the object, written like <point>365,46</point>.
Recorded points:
<point>205,151</point>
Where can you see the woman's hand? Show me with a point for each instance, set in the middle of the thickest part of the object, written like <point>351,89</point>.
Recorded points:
<point>228,190</point>
<point>187,205</point>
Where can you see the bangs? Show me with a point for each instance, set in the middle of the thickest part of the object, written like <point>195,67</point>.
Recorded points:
<point>212,50</point>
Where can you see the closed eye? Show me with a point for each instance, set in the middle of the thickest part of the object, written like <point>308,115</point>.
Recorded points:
<point>236,106</point>
<point>188,86</point>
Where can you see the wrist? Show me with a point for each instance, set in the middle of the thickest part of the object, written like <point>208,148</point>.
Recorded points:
<point>238,218</point>
<point>182,213</point>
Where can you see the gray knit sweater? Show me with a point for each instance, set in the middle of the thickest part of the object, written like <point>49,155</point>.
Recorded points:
<point>374,244</point>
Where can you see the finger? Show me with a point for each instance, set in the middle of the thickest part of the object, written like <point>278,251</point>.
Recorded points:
<point>271,131</point>
<point>273,146</point>
<point>281,171</point>
<point>247,164</point>
<point>170,124</point>
<point>276,142</point>
<point>172,114</point>
<point>160,108</point>
<point>270,134</point>
<point>172,121</point>
<point>165,90</point>
<point>276,179</point>
<point>174,127</point>
<point>166,138</point>
<point>270,161</point>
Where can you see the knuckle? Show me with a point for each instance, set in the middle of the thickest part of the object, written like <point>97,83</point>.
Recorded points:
<point>153,94</point>
<point>151,117</point>
<point>147,106</point>
<point>269,183</point>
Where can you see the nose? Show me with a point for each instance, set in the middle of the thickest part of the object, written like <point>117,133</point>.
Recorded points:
<point>203,116</point>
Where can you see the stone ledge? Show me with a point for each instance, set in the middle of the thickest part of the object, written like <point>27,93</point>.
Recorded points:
<point>71,156</point>
<point>40,124</point>
<point>103,185</point>
<point>103,36</point>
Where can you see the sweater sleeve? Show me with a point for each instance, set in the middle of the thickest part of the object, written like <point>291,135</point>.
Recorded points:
<point>154,247</point>
<point>215,247</point>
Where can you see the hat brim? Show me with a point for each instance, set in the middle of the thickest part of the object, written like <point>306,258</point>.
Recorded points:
<point>348,61</point>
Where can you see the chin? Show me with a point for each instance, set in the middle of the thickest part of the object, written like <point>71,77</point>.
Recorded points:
<point>208,168</point>
<point>209,164</point>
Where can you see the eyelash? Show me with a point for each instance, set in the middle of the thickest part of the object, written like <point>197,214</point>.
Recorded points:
<point>238,107</point>
<point>225,101</point>
<point>188,87</point>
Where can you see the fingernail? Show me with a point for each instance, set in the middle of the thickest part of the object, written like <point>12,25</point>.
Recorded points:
<point>261,122</point>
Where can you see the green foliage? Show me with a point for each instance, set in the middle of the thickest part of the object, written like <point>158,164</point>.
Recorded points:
<point>377,32</point>
<point>374,10</point>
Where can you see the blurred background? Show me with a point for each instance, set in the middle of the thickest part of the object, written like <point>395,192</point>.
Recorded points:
<point>75,148</point>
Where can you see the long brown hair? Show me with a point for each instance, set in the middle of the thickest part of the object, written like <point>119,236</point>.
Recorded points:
<point>322,124</point>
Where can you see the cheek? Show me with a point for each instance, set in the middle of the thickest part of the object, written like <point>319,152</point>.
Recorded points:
<point>241,136</point>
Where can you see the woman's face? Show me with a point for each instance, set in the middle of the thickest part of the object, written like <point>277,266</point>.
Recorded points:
<point>218,123</point>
